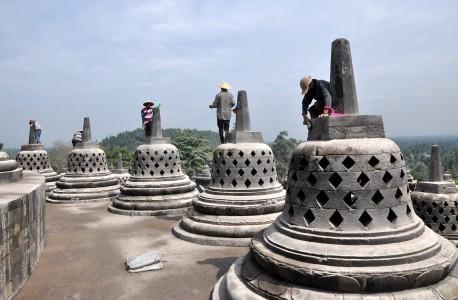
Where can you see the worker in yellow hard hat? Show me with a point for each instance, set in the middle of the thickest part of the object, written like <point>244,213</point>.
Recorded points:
<point>224,101</point>
<point>320,90</point>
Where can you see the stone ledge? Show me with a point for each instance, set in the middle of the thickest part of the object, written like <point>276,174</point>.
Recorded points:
<point>439,187</point>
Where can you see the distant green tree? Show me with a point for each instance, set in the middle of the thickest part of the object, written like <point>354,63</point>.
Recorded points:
<point>283,147</point>
<point>58,154</point>
<point>195,151</point>
<point>113,156</point>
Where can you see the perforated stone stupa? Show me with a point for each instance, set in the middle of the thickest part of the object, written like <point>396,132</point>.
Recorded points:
<point>157,185</point>
<point>33,157</point>
<point>22,224</point>
<point>436,200</point>
<point>244,195</point>
<point>348,230</point>
<point>87,178</point>
<point>204,177</point>
<point>119,171</point>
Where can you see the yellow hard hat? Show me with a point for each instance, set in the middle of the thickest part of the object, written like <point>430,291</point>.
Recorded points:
<point>305,84</point>
<point>224,85</point>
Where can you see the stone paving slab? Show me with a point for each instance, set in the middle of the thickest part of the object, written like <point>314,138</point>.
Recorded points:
<point>86,248</point>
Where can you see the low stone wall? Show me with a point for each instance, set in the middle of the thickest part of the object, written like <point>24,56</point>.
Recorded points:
<point>22,231</point>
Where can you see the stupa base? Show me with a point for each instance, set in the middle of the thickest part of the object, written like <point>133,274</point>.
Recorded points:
<point>261,286</point>
<point>65,196</point>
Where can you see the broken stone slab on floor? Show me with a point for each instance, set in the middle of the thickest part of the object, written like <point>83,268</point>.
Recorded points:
<point>148,261</point>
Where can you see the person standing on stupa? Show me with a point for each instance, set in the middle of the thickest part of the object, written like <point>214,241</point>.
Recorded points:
<point>224,101</point>
<point>37,128</point>
<point>320,90</point>
<point>147,117</point>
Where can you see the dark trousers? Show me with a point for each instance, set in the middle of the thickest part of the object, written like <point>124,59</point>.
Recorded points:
<point>148,128</point>
<point>223,127</point>
<point>38,135</point>
<point>315,111</point>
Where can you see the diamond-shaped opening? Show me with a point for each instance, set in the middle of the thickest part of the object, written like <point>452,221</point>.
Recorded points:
<point>350,199</point>
<point>241,172</point>
<point>221,182</point>
<point>235,162</point>
<point>311,179</point>
<point>166,164</point>
<point>391,216</point>
<point>162,172</point>
<point>335,180</point>
<point>365,219</point>
<point>271,180</point>
<point>294,177</point>
<point>218,171</point>
<point>247,183</point>
<point>321,198</point>
<point>264,171</point>
<point>309,217</point>
<point>434,204</point>
<point>362,179</point>
<point>452,211</point>
<point>373,161</point>
<point>408,210</point>
<point>259,161</point>
<point>253,153</point>
<point>143,173</point>
<point>348,162</point>
<point>324,162</point>
<point>387,177</point>
<point>302,163</point>
<point>441,227</point>
<point>241,153</point>
<point>260,182</point>
<point>453,227</point>
<point>223,162</point>
<point>434,219</point>
<point>156,165</point>
<point>392,159</point>
<point>402,174</point>
<point>398,193</point>
<point>301,196</point>
<point>247,162</point>
<point>263,152</point>
<point>445,204</point>
<point>446,219</point>
<point>254,172</point>
<point>161,158</point>
<point>234,183</point>
<point>429,210</point>
<point>228,172</point>
<point>441,210</point>
<point>229,153</point>
<point>268,161</point>
<point>336,219</point>
<point>291,211</point>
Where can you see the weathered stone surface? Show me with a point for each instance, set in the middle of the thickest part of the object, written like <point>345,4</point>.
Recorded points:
<point>343,87</point>
<point>348,229</point>
<point>88,178</point>
<point>244,195</point>
<point>436,201</point>
<point>157,185</point>
<point>33,157</point>
<point>120,172</point>
<point>204,177</point>
<point>22,225</point>
<point>243,132</point>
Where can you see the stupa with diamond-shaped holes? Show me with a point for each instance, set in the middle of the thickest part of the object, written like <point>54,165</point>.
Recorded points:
<point>157,185</point>
<point>348,230</point>
<point>244,195</point>
<point>87,178</point>
<point>33,157</point>
<point>436,200</point>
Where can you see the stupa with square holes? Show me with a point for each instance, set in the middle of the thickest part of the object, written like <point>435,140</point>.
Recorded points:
<point>348,230</point>
<point>436,200</point>
<point>22,224</point>
<point>33,157</point>
<point>244,195</point>
<point>157,185</point>
<point>87,178</point>
<point>203,177</point>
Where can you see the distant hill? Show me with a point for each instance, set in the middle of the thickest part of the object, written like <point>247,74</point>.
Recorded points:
<point>131,139</point>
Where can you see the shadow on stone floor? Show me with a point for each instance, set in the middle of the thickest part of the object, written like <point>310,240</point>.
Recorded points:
<point>222,264</point>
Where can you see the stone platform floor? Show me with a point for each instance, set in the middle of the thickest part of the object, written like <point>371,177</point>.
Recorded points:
<point>86,249</point>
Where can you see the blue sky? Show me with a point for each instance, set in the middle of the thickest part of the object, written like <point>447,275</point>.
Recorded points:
<point>63,60</point>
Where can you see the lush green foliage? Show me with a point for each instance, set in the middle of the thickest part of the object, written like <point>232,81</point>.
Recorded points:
<point>113,156</point>
<point>195,151</point>
<point>283,147</point>
<point>58,155</point>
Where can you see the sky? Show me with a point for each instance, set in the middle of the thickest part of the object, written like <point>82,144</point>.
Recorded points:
<point>63,60</point>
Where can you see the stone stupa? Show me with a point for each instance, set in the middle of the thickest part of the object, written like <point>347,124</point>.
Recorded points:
<point>33,157</point>
<point>119,171</point>
<point>436,200</point>
<point>203,177</point>
<point>22,226</point>
<point>157,185</point>
<point>348,230</point>
<point>244,195</point>
<point>87,178</point>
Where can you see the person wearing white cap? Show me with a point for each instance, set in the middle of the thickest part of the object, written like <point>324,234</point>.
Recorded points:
<point>224,101</point>
<point>320,90</point>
